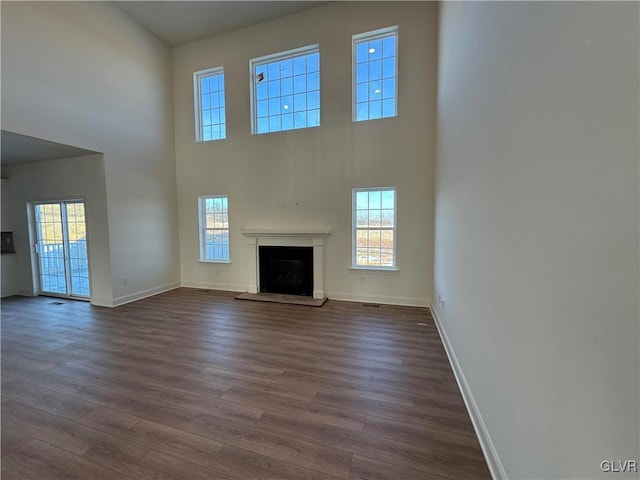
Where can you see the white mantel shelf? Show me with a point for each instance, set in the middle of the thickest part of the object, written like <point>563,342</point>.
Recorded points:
<point>286,237</point>
<point>285,232</point>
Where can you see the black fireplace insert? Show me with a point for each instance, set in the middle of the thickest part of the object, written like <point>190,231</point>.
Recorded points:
<point>287,270</point>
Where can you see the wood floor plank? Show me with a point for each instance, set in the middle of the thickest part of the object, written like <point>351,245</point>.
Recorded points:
<point>292,448</point>
<point>136,461</point>
<point>416,456</point>
<point>29,394</point>
<point>194,384</point>
<point>178,443</point>
<point>317,413</point>
<point>11,474</point>
<point>51,429</point>
<point>245,465</point>
<point>422,433</point>
<point>396,412</point>
<point>370,469</point>
<point>40,460</point>
<point>13,440</point>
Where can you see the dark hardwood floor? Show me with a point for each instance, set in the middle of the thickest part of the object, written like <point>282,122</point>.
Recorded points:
<point>195,385</point>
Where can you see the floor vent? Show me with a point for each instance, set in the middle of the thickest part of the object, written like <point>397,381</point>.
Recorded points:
<point>370,305</point>
<point>57,303</point>
<point>204,291</point>
<point>422,324</point>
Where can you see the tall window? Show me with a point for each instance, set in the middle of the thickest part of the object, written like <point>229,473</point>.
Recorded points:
<point>375,74</point>
<point>374,228</point>
<point>208,90</point>
<point>214,228</point>
<point>285,90</point>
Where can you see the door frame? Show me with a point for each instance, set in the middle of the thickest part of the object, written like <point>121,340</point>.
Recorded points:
<point>33,239</point>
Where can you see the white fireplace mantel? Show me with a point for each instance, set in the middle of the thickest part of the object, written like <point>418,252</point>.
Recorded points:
<point>283,237</point>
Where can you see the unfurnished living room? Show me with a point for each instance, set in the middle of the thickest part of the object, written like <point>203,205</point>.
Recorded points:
<point>320,240</point>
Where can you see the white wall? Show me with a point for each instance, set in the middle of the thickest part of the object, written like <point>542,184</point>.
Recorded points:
<point>304,177</point>
<point>9,281</point>
<point>85,74</point>
<point>536,246</point>
<point>71,178</point>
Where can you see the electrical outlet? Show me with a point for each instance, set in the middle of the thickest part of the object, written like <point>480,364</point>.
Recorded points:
<point>123,281</point>
<point>441,301</point>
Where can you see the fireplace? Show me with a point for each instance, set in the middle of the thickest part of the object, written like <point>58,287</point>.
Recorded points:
<point>310,238</point>
<point>287,270</point>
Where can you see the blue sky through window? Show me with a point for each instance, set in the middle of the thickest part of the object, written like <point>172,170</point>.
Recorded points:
<point>376,76</point>
<point>287,93</point>
<point>213,122</point>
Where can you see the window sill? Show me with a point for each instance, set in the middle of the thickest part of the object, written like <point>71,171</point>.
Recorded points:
<point>228,262</point>
<point>375,269</point>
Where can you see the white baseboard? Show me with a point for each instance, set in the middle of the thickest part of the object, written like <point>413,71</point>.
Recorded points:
<point>102,302</point>
<point>386,300</point>
<point>488,448</point>
<point>215,286</point>
<point>10,294</point>
<point>140,295</point>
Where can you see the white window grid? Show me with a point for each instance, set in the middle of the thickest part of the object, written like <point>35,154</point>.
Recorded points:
<point>210,106</point>
<point>214,228</point>
<point>374,237</point>
<point>375,74</point>
<point>285,90</point>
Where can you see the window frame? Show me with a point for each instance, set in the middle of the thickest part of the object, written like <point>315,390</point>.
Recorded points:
<point>354,229</point>
<point>202,227</point>
<point>197,101</point>
<point>368,36</point>
<point>255,62</point>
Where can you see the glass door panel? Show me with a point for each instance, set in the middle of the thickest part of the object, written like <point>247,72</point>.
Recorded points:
<point>77,244</point>
<point>51,248</point>
<point>62,248</point>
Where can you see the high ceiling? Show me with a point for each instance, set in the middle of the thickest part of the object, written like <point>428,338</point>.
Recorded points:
<point>174,22</point>
<point>177,22</point>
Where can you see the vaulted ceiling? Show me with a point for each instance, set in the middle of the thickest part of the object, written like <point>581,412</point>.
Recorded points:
<point>177,22</point>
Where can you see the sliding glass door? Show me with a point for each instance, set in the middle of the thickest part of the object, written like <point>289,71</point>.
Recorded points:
<point>61,236</point>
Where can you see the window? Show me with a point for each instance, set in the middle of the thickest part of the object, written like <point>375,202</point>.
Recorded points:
<point>214,228</point>
<point>375,74</point>
<point>208,89</point>
<point>374,228</point>
<point>285,90</point>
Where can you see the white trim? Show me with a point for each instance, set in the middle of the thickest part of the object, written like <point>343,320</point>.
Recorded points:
<point>255,62</point>
<point>381,299</point>
<point>289,238</point>
<point>197,100</point>
<point>354,222</point>
<point>102,302</point>
<point>215,286</point>
<point>372,35</point>
<point>202,227</point>
<point>34,256</point>
<point>142,294</point>
<point>488,448</point>
<point>374,269</point>
<point>286,232</point>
